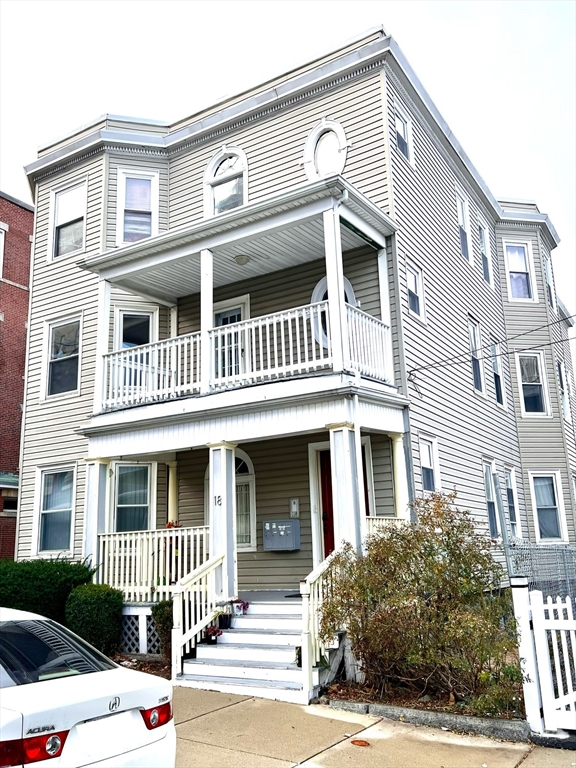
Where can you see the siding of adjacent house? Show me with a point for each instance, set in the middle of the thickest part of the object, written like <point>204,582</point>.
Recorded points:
<point>469,427</point>
<point>59,289</point>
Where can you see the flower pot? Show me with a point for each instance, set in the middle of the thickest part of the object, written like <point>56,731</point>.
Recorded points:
<point>238,610</point>
<point>211,639</point>
<point>224,620</point>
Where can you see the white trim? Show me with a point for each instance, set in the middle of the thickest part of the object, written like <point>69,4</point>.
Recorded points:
<point>238,480</point>
<point>492,465</point>
<point>238,301</point>
<point>547,412</point>
<point>498,358</point>
<point>555,474</point>
<point>514,488</point>
<point>41,470</point>
<point>54,192</point>
<point>112,491</point>
<point>419,275</point>
<point>564,392</point>
<point>463,198</point>
<point>428,438</point>
<point>48,325</point>
<point>136,173</point>
<point>309,157</point>
<point>476,354</point>
<point>549,281</point>
<point>210,181</point>
<point>135,309</point>
<point>404,115</point>
<point>531,274</point>
<point>482,225</point>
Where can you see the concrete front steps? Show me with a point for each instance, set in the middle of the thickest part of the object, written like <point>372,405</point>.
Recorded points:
<point>256,656</point>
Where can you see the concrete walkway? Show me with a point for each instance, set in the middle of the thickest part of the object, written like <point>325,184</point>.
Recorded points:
<point>218,730</point>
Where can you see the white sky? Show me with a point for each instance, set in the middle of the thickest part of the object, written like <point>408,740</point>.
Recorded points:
<point>501,73</point>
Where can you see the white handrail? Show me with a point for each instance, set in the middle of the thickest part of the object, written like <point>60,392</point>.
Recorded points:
<point>194,608</point>
<point>314,589</point>
<point>369,344</point>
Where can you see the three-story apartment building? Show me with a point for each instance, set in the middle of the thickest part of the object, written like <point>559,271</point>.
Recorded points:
<point>268,327</point>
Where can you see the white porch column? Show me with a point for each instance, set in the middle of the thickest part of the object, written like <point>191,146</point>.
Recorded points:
<point>401,498</point>
<point>206,317</point>
<point>172,491</point>
<point>335,285</point>
<point>95,508</point>
<point>222,490</point>
<point>345,485</point>
<point>103,332</point>
<point>385,314</point>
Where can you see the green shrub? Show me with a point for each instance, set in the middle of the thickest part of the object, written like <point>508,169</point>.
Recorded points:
<point>424,610</point>
<point>94,611</point>
<point>41,586</point>
<point>163,621</point>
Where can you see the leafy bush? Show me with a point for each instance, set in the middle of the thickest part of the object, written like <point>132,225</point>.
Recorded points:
<point>41,586</point>
<point>94,611</point>
<point>424,610</point>
<point>163,621</point>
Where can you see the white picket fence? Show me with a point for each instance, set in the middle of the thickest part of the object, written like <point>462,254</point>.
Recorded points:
<point>547,645</point>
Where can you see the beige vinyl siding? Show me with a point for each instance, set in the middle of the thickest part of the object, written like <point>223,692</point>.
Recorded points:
<point>469,427</point>
<point>274,146</point>
<point>59,290</point>
<point>381,447</point>
<point>136,163</point>
<point>291,287</point>
<point>542,439</point>
<point>161,495</point>
<point>120,299</point>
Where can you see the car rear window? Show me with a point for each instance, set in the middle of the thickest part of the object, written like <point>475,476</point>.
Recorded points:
<point>32,651</point>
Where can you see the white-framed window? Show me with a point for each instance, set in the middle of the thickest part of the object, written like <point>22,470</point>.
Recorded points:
<point>57,492</point>
<point>325,150</point>
<point>225,181</point>
<point>475,337</point>
<point>549,281</point>
<point>550,520</point>
<point>512,502</point>
<point>496,358</point>
<point>534,400</point>
<point>564,389</point>
<point>137,206</point>
<point>429,463</point>
<point>488,468</point>
<point>63,357</point>
<point>464,226</point>
<point>415,287</point>
<point>246,539</point>
<point>486,259</point>
<point>403,125</point>
<point>135,325</point>
<point>520,272</point>
<point>3,230</point>
<point>134,496</point>
<point>68,220</point>
<point>320,293</point>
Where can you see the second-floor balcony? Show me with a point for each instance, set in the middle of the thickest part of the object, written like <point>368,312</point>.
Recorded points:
<point>277,346</point>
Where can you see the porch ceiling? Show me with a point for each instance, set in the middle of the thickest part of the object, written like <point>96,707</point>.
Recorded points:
<point>280,232</point>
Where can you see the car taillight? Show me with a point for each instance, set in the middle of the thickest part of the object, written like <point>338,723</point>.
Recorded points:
<point>33,750</point>
<point>157,716</point>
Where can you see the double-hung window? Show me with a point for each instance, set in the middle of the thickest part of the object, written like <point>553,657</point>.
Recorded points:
<point>69,214</point>
<point>476,354</point>
<point>491,499</point>
<point>520,272</point>
<point>429,464</point>
<point>132,497</point>
<point>415,291</point>
<point>497,371</point>
<point>404,133</point>
<point>564,391</point>
<point>63,357</point>
<point>138,202</point>
<point>56,502</point>
<point>484,240</point>
<point>226,181</point>
<point>549,281</point>
<point>511,503</point>
<point>530,374</point>
<point>547,503</point>
<point>463,226</point>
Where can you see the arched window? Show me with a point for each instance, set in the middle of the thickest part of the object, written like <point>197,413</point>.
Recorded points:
<point>245,501</point>
<point>320,293</point>
<point>325,151</point>
<point>225,181</point>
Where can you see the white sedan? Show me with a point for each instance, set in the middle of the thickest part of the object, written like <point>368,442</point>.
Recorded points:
<point>63,701</point>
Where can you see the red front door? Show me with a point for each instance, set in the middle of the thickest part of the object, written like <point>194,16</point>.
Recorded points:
<point>326,496</point>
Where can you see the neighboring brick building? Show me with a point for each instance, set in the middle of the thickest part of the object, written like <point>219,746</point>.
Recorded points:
<point>16,224</point>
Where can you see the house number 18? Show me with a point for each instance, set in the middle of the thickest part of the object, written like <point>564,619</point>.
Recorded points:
<point>218,501</point>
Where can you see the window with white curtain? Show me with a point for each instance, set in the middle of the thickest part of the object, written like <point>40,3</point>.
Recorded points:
<point>56,502</point>
<point>520,272</point>
<point>225,181</point>
<point>69,214</point>
<point>138,203</point>
<point>546,496</point>
<point>132,497</point>
<point>534,399</point>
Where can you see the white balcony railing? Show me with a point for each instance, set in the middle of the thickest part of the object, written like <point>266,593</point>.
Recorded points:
<point>277,346</point>
<point>146,565</point>
<point>374,524</point>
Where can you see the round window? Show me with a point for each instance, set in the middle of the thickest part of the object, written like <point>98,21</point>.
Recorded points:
<point>327,155</point>
<point>325,150</point>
